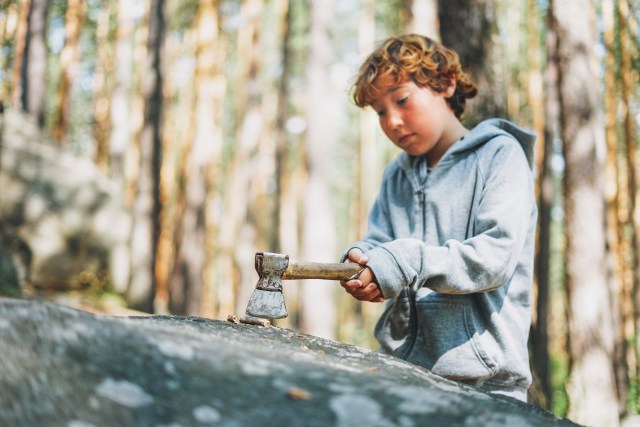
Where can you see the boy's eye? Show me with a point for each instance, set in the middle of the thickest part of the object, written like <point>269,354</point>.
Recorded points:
<point>403,100</point>
<point>380,113</point>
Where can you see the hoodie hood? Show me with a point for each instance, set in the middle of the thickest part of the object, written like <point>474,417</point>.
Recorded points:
<point>479,135</point>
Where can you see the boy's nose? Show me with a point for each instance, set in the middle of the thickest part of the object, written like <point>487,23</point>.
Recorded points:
<point>394,121</point>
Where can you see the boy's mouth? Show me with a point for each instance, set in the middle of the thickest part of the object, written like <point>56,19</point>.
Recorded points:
<point>405,139</point>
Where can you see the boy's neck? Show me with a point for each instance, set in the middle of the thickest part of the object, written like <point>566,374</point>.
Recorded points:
<point>451,136</point>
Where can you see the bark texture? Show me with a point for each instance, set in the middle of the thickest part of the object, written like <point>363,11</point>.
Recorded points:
<point>147,206</point>
<point>480,52</point>
<point>34,65</point>
<point>591,388</point>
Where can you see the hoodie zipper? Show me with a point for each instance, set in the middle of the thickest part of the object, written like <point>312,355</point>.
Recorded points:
<point>423,207</point>
<point>413,305</point>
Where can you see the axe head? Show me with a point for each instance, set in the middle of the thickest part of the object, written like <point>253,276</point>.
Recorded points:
<point>267,300</point>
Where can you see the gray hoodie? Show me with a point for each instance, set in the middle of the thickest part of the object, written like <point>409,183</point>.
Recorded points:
<point>452,250</point>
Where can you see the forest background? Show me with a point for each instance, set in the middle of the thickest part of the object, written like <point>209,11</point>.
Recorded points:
<point>227,128</point>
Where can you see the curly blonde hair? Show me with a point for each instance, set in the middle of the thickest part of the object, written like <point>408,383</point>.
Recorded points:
<point>419,58</point>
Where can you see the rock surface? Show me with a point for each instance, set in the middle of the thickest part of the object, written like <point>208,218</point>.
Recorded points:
<point>64,367</point>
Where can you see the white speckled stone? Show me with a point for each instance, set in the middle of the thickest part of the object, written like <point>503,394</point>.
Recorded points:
<point>124,392</point>
<point>206,414</point>
<point>358,411</point>
<point>176,349</point>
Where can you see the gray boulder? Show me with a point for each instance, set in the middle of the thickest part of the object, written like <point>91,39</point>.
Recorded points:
<point>63,223</point>
<point>64,367</point>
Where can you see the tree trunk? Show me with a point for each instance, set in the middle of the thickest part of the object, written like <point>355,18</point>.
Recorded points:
<point>187,282</point>
<point>69,57</point>
<point>628,33</point>
<point>147,205</point>
<point>591,387</point>
<point>318,310</point>
<point>479,52</point>
<point>121,123</point>
<point>354,316</point>
<point>281,163</point>
<point>238,231</point>
<point>285,213</point>
<point>424,18</point>
<point>21,34</point>
<point>368,161</point>
<point>617,212</point>
<point>544,150</point>
<point>9,29</point>
<point>101,75</point>
<point>33,79</point>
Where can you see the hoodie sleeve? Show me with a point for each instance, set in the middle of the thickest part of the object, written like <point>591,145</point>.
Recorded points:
<point>379,229</point>
<point>483,262</point>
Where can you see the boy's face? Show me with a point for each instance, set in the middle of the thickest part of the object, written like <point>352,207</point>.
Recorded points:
<point>416,119</point>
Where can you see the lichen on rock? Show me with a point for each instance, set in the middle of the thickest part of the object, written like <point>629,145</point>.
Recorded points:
<point>64,367</point>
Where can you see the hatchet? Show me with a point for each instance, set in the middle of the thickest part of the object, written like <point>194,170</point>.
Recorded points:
<point>267,300</point>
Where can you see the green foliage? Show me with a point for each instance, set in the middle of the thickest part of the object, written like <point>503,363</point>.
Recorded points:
<point>182,14</point>
<point>559,376</point>
<point>393,16</point>
<point>9,284</point>
<point>633,396</point>
<point>95,283</point>
<point>4,4</point>
<point>559,359</point>
<point>55,43</point>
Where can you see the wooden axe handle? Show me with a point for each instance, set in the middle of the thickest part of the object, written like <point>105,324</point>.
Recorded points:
<point>318,270</point>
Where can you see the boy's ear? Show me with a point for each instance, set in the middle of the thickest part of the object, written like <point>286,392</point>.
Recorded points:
<point>451,89</point>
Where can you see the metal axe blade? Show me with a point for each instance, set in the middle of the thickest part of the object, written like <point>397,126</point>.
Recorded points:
<point>267,304</point>
<point>267,299</point>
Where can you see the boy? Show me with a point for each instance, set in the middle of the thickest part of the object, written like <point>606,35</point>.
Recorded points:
<point>451,235</point>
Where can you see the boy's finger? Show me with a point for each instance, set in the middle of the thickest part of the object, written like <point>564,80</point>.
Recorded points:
<point>366,291</point>
<point>366,276</point>
<point>355,253</point>
<point>358,256</point>
<point>363,259</point>
<point>370,296</point>
<point>351,285</point>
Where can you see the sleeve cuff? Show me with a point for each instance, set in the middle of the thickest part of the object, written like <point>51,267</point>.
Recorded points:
<point>389,276</point>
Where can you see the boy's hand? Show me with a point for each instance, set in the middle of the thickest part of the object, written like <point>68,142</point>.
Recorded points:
<point>363,288</point>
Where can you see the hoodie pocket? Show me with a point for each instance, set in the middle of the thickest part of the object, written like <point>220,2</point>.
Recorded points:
<point>396,328</point>
<point>449,341</point>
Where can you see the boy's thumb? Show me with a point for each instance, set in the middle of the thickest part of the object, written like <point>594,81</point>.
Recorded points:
<point>360,257</point>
